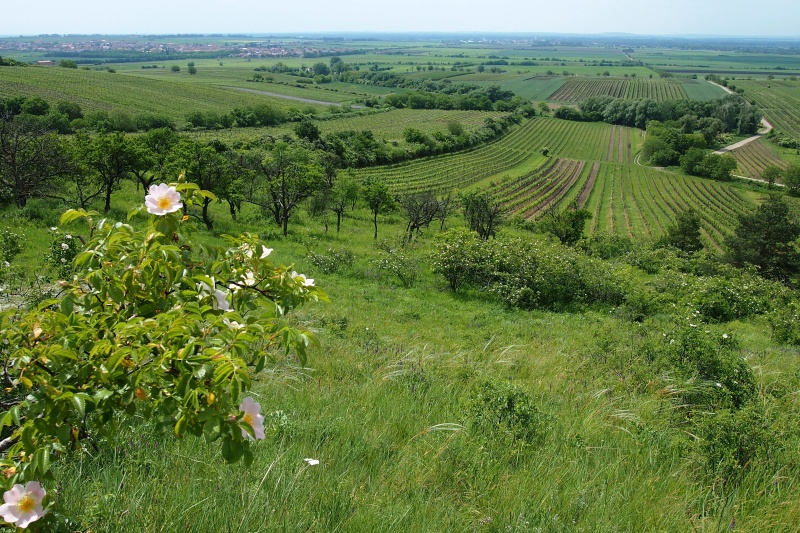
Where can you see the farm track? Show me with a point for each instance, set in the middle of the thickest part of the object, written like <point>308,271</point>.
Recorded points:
<point>583,196</point>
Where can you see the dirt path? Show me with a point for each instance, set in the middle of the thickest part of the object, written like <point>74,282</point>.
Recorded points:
<point>287,97</point>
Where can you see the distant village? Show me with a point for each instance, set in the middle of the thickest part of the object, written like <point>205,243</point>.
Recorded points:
<point>59,46</point>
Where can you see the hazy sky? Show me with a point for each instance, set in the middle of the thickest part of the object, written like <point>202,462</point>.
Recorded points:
<point>717,17</point>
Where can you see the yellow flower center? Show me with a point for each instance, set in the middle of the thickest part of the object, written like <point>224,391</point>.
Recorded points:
<point>164,202</point>
<point>26,503</point>
<point>248,418</point>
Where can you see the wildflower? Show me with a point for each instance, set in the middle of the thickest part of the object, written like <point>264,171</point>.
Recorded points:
<point>162,199</point>
<point>53,228</point>
<point>311,462</point>
<point>222,300</point>
<point>67,236</point>
<point>249,252</point>
<point>252,416</point>
<point>249,278</point>
<point>307,282</point>
<point>64,246</point>
<point>23,505</point>
<point>232,324</point>
<point>724,335</point>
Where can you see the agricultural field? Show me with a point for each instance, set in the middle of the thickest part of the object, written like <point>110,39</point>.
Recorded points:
<point>385,124</point>
<point>646,390</point>
<point>754,157</point>
<point>579,89</point>
<point>105,91</point>
<point>780,101</point>
<point>573,140</point>
<point>718,62</point>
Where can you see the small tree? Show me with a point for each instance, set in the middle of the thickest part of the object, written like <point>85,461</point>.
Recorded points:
<point>772,174</point>
<point>175,68</point>
<point>378,198</point>
<point>685,233</point>
<point>767,239</point>
<point>420,210</point>
<point>567,225</point>
<point>791,179</point>
<point>482,213</point>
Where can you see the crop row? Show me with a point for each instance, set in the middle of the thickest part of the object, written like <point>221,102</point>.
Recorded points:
<point>754,157</point>
<point>579,89</point>
<point>780,102</point>
<point>642,202</point>
<point>655,89</point>
<point>537,190</point>
<point>575,140</point>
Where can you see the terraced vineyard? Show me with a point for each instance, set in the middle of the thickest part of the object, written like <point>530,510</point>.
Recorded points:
<point>574,140</point>
<point>579,89</point>
<point>754,157</point>
<point>780,101</point>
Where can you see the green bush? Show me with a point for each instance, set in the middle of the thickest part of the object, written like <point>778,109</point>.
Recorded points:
<point>503,408</point>
<point>332,260</point>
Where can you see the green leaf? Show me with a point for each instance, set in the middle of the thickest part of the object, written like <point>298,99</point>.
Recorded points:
<point>116,293</point>
<point>42,460</point>
<point>232,451</point>
<point>247,456</point>
<point>212,429</point>
<point>79,403</point>
<point>180,426</point>
<point>63,433</point>
<point>67,305</point>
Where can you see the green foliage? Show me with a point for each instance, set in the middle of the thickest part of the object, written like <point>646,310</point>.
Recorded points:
<point>398,263</point>
<point>483,214</point>
<point>684,234</point>
<point>566,224</point>
<point>459,256</point>
<point>333,260</point>
<point>152,325</point>
<point>63,249</point>
<point>733,440</point>
<point>767,239</point>
<point>502,409</point>
<point>10,244</point>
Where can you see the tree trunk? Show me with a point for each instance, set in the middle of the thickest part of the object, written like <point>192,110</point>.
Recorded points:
<point>206,218</point>
<point>338,222</point>
<point>109,188</point>
<point>375,222</point>
<point>232,208</point>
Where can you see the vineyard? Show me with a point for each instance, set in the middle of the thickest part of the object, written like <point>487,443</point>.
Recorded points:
<point>574,140</point>
<point>780,101</point>
<point>642,202</point>
<point>104,91</point>
<point>579,89</point>
<point>754,157</point>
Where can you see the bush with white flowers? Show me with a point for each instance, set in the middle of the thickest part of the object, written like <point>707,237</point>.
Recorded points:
<point>149,323</point>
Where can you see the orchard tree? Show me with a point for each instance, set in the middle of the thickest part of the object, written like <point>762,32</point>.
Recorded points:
<point>154,148</point>
<point>285,176</point>
<point>791,179</point>
<point>420,210</point>
<point>483,214</point>
<point>202,165</point>
<point>378,198</point>
<point>32,159</point>
<point>113,157</point>
<point>343,193</point>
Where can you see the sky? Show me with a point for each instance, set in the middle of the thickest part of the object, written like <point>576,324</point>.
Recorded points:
<point>772,18</point>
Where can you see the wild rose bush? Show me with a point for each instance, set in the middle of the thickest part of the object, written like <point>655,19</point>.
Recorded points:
<point>153,324</point>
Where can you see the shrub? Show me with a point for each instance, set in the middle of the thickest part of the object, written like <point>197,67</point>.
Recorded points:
<point>501,407</point>
<point>397,263</point>
<point>152,325</point>
<point>333,260</point>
